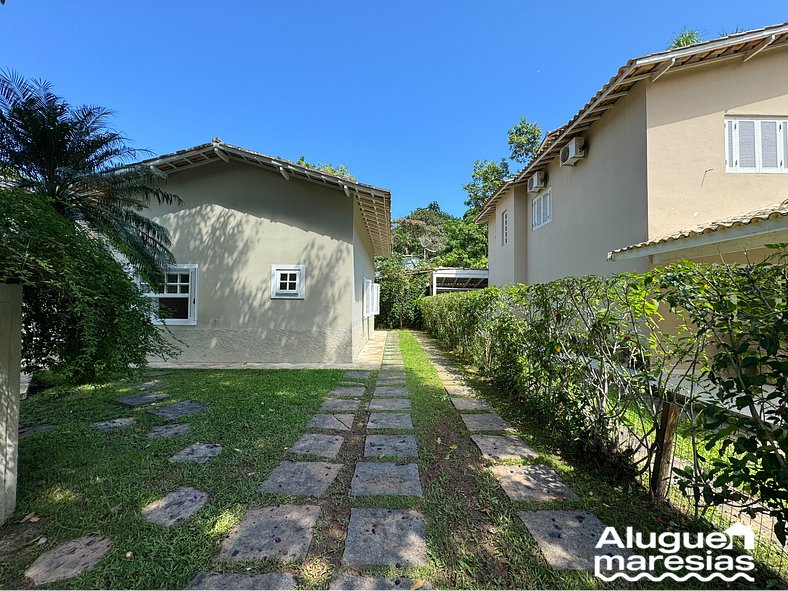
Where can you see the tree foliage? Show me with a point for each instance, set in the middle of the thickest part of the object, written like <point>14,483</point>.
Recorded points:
<point>422,231</point>
<point>524,140</point>
<point>70,156</point>
<point>486,177</point>
<point>400,291</point>
<point>82,315</point>
<point>335,169</point>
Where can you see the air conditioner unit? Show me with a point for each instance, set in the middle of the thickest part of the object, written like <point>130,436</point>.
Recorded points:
<point>536,182</point>
<point>572,152</point>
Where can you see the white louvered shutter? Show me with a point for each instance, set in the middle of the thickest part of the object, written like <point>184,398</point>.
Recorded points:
<point>770,143</point>
<point>730,156</point>
<point>746,145</point>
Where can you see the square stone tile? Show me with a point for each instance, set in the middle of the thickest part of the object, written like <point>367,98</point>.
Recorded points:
<point>396,382</point>
<point>390,404</point>
<point>283,531</point>
<point>357,375</point>
<point>198,453</point>
<point>567,539</point>
<point>301,479</point>
<point>470,404</point>
<point>532,483</point>
<point>502,447</point>
<point>141,399</point>
<point>486,422</point>
<point>390,420</point>
<point>165,431</point>
<point>391,375</point>
<point>325,446</point>
<point>114,424</point>
<point>357,583</point>
<point>331,422</point>
<point>179,410</point>
<point>391,445</point>
<point>339,405</point>
<point>175,507</point>
<point>390,392</point>
<point>241,581</point>
<point>385,478</point>
<point>459,390</point>
<point>385,536</point>
<point>348,391</point>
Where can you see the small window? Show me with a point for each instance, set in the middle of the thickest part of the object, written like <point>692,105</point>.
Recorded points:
<point>287,282</point>
<point>756,145</point>
<point>371,298</point>
<point>176,301</point>
<point>542,209</point>
<point>504,228</point>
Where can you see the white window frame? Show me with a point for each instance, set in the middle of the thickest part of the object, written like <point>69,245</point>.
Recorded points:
<point>194,293</point>
<point>504,227</point>
<point>542,209</point>
<point>376,299</point>
<point>298,292</point>
<point>731,127</point>
<point>371,298</point>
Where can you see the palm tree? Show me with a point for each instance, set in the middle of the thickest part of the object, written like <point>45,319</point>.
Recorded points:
<point>70,157</point>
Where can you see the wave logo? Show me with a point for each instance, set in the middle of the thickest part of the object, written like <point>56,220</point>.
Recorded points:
<point>637,555</point>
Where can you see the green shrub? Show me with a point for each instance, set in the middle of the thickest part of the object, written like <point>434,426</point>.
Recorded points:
<point>400,291</point>
<point>581,352</point>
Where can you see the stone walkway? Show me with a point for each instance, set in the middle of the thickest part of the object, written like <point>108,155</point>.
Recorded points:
<point>375,536</point>
<point>566,538</point>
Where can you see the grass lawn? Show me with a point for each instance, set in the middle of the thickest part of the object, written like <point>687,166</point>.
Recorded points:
<point>81,481</point>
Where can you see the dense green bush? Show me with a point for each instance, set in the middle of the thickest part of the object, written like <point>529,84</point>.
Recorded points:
<point>400,291</point>
<point>83,316</point>
<point>581,353</point>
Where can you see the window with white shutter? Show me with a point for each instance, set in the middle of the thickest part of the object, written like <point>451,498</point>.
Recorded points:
<point>755,145</point>
<point>504,228</point>
<point>175,303</point>
<point>542,209</point>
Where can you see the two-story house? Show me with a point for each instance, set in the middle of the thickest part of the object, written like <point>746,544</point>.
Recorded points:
<point>682,154</point>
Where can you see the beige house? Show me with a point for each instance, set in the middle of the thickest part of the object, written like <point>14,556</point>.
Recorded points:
<point>677,143</point>
<point>275,260</point>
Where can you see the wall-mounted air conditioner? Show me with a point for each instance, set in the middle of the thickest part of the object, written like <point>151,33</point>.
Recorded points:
<point>536,181</point>
<point>572,152</point>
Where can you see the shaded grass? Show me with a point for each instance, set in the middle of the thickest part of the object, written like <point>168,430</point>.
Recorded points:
<point>82,481</point>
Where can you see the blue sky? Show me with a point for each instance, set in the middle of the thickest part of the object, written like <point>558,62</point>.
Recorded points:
<point>406,94</point>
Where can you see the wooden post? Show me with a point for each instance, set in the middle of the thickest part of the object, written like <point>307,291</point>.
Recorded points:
<point>660,475</point>
<point>10,361</point>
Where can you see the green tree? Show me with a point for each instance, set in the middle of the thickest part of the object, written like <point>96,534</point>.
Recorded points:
<point>685,37</point>
<point>69,156</point>
<point>466,245</point>
<point>486,177</point>
<point>524,140</point>
<point>400,291</point>
<point>335,169</point>
<point>421,232</point>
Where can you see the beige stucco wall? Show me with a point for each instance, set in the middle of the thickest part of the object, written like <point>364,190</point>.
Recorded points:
<point>364,267</point>
<point>502,256</point>
<point>599,204</point>
<point>687,181</point>
<point>236,221</point>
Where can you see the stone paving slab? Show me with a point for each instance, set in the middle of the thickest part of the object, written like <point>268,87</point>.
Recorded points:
<point>357,583</point>
<point>385,478</point>
<point>283,531</point>
<point>114,424</point>
<point>197,453</point>
<point>173,430</point>
<point>301,479</point>
<point>32,430</point>
<point>241,581</point>
<point>360,375</point>
<point>502,447</point>
<point>325,446</point>
<point>387,375</point>
<point>385,536</point>
<point>68,559</point>
<point>532,483</point>
<point>338,404</point>
<point>567,539</point>
<point>390,392</point>
<point>348,391</point>
<point>485,422</point>
<point>390,420</point>
<point>470,404</point>
<point>331,422</point>
<point>175,507</point>
<point>459,390</point>
<point>141,399</point>
<point>391,445</point>
<point>390,404</point>
<point>179,410</point>
<point>398,382</point>
<point>350,384</point>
